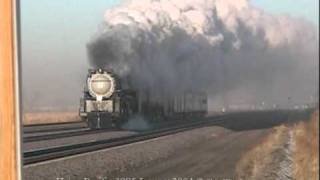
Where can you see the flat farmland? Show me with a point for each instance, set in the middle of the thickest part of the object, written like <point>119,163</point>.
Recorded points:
<point>32,118</point>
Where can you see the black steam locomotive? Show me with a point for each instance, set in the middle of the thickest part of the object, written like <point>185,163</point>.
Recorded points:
<point>106,102</point>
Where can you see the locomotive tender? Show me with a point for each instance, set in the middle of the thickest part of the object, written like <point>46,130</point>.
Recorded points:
<point>109,102</point>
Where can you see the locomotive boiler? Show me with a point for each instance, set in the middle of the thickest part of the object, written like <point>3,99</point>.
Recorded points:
<point>108,101</point>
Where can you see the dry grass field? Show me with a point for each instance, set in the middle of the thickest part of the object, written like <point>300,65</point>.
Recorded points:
<point>260,161</point>
<point>306,154</point>
<point>49,117</point>
<point>291,150</point>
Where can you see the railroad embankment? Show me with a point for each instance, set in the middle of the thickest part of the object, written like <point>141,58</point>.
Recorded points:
<point>290,151</point>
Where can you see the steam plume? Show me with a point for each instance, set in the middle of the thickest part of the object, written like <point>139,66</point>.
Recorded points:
<point>228,48</point>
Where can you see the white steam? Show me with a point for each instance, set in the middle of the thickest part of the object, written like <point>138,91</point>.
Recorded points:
<point>228,48</point>
<point>137,123</point>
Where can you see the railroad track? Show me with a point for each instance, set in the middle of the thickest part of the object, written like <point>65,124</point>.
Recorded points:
<point>63,133</point>
<point>79,132</point>
<point>40,155</point>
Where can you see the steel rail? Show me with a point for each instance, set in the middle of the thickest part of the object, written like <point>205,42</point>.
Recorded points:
<point>40,155</point>
<point>64,134</point>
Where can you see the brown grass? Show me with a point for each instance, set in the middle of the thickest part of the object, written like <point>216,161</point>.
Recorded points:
<point>306,154</point>
<point>49,117</point>
<point>263,160</point>
<point>256,163</point>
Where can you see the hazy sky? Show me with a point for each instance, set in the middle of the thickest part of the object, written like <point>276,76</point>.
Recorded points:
<point>308,9</point>
<point>54,37</point>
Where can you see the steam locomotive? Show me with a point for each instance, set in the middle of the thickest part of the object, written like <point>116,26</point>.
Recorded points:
<point>109,102</point>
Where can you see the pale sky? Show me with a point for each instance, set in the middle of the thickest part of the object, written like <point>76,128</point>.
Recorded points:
<point>308,9</point>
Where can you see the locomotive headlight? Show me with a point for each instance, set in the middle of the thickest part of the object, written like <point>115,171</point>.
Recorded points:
<point>101,85</point>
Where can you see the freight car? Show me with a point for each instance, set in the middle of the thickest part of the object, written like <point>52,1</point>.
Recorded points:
<point>109,102</point>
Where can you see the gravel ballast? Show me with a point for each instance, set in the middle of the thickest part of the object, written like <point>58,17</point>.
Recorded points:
<point>105,163</point>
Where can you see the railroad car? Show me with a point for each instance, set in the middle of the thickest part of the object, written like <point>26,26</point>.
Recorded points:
<point>109,101</point>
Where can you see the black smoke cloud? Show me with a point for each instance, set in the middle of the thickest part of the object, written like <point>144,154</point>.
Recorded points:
<point>230,49</point>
